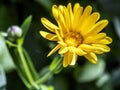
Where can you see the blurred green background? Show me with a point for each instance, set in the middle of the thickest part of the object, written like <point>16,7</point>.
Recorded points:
<point>85,76</point>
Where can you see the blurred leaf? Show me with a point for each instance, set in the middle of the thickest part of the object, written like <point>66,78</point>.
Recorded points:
<point>113,6</point>
<point>47,4</point>
<point>25,27</point>
<point>61,83</point>
<point>116,22</point>
<point>103,80</point>
<point>2,78</point>
<point>90,71</point>
<point>5,58</point>
<point>116,76</point>
<point>8,16</point>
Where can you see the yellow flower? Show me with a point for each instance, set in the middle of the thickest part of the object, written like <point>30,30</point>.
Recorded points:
<point>78,33</point>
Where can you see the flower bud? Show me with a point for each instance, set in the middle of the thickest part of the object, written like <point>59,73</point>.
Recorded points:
<point>14,32</point>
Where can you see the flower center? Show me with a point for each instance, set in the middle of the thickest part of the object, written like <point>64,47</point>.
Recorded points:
<point>73,39</point>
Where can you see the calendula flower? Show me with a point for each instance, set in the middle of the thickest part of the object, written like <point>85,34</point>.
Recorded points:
<point>78,33</point>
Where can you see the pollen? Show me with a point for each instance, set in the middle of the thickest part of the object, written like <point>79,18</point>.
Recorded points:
<point>73,39</point>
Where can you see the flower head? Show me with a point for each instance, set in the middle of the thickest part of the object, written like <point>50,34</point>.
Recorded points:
<point>78,33</point>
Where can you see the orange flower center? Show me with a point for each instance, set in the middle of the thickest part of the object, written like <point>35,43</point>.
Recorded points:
<point>73,39</point>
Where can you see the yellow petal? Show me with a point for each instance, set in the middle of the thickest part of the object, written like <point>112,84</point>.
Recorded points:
<point>94,38</point>
<point>50,26</point>
<point>63,50</point>
<point>91,57</point>
<point>65,60</point>
<point>69,7</point>
<point>106,40</point>
<point>88,23</point>
<point>59,36</point>
<point>85,15</point>
<point>61,8</point>
<point>87,11</point>
<point>80,52</point>
<point>55,11</point>
<point>76,7</point>
<point>67,18</point>
<point>49,36</point>
<point>72,58</point>
<point>54,50</point>
<point>97,27</point>
<point>77,16</point>
<point>101,47</point>
<point>61,23</point>
<point>87,48</point>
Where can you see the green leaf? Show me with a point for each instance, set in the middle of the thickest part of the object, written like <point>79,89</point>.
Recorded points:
<point>25,27</point>
<point>90,71</point>
<point>5,57</point>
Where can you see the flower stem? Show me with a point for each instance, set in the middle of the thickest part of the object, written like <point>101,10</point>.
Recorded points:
<point>44,78</point>
<point>25,66</point>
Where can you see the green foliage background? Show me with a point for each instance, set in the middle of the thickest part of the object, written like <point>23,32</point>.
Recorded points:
<point>85,76</point>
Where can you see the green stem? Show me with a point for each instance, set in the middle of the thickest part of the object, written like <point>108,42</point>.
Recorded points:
<point>25,65</point>
<point>30,65</point>
<point>44,78</point>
